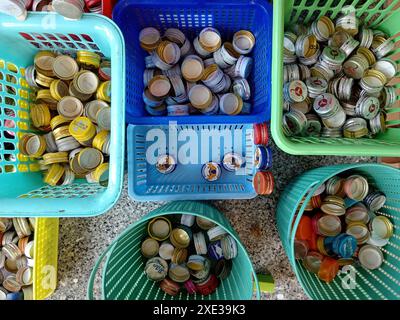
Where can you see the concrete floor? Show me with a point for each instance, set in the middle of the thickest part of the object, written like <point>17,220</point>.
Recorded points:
<point>83,240</point>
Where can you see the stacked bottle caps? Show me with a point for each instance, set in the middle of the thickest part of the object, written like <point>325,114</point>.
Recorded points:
<point>72,115</point>
<point>72,9</point>
<point>204,77</point>
<point>16,258</point>
<point>332,234</point>
<point>263,181</point>
<point>337,79</point>
<point>187,253</point>
<point>211,171</point>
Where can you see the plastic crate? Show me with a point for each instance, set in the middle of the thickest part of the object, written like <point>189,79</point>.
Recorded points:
<point>191,16</point>
<point>186,182</point>
<point>22,191</point>
<point>382,283</point>
<point>123,276</point>
<point>380,15</point>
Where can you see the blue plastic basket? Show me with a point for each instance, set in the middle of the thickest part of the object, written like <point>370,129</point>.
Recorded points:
<point>191,16</point>
<point>22,191</point>
<point>186,181</point>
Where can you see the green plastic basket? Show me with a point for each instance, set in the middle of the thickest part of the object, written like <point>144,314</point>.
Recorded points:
<point>22,190</point>
<point>380,15</point>
<point>123,275</point>
<point>383,283</point>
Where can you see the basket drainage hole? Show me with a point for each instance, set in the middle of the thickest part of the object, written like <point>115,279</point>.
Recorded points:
<point>9,168</point>
<point>12,79</point>
<point>10,157</point>
<point>11,90</point>
<point>12,67</point>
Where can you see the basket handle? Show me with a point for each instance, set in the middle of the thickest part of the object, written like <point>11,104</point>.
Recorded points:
<point>92,277</point>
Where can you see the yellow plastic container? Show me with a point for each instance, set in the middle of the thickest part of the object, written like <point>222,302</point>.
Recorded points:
<point>45,257</point>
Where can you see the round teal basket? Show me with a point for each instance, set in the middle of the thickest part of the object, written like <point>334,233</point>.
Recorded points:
<point>379,284</point>
<point>123,276</point>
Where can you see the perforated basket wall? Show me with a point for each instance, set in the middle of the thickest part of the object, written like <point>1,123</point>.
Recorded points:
<point>356,283</point>
<point>21,188</point>
<point>190,16</point>
<point>193,144</point>
<point>378,14</point>
<point>123,276</point>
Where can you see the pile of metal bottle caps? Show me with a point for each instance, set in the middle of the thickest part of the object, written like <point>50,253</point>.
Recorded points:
<point>204,77</point>
<point>72,113</point>
<point>16,258</point>
<point>342,225</point>
<point>72,9</point>
<point>188,254</point>
<point>337,79</point>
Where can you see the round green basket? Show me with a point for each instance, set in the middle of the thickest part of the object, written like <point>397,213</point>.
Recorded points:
<point>364,284</point>
<point>123,276</point>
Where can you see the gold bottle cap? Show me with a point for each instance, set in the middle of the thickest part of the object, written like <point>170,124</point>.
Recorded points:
<point>243,41</point>
<point>25,276</point>
<point>82,129</point>
<point>11,284</point>
<point>59,89</point>
<point>192,68</point>
<point>11,251</point>
<point>204,224</point>
<point>86,82</point>
<point>382,227</point>
<point>104,92</point>
<point>159,228</point>
<point>68,177</point>
<point>149,38</point>
<point>53,175</point>
<point>90,158</point>
<point>150,248</point>
<point>44,62</point>
<point>88,59</point>
<point>101,173</point>
<point>333,205</point>
<point>70,107</point>
<point>210,39</point>
<point>179,256</point>
<point>44,96</point>
<point>100,139</point>
<point>21,226</point>
<point>35,146</point>
<point>159,86</point>
<point>75,93</point>
<point>359,231</point>
<point>40,115</point>
<point>65,68</point>
<point>178,273</point>
<point>58,121</point>
<point>180,238</point>
<point>58,157</point>
<point>61,132</point>
<point>200,96</point>
<point>103,118</point>
<point>76,168</point>
<point>43,80</point>
<point>92,107</point>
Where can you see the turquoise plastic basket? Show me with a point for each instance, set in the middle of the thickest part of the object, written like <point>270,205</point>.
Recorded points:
<point>22,191</point>
<point>383,283</point>
<point>124,278</point>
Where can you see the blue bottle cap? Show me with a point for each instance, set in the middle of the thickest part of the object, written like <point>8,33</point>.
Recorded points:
<point>328,245</point>
<point>345,245</point>
<point>263,158</point>
<point>15,296</point>
<point>215,250</point>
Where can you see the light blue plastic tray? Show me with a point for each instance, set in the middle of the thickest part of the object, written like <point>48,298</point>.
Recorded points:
<point>22,191</point>
<point>186,182</point>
